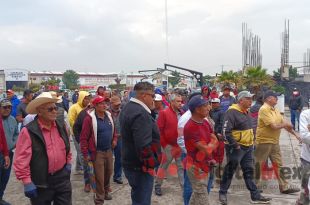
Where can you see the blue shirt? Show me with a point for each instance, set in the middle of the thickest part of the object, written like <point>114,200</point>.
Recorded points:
<point>10,130</point>
<point>104,133</point>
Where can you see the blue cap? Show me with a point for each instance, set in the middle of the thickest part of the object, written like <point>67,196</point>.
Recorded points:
<point>195,102</point>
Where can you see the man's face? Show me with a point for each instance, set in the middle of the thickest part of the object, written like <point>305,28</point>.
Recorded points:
<point>215,105</point>
<point>5,111</point>
<point>246,102</point>
<point>272,100</point>
<point>158,105</point>
<point>48,112</point>
<point>203,111</point>
<point>116,105</point>
<point>101,107</point>
<point>107,94</point>
<point>148,98</point>
<point>100,91</point>
<point>177,103</point>
<point>9,95</point>
<point>226,92</point>
<point>29,97</point>
<point>125,94</point>
<point>86,101</point>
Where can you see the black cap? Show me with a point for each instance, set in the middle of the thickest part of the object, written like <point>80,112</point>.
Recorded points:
<point>269,93</point>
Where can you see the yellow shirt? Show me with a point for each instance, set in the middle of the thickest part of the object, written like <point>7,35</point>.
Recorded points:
<point>268,115</point>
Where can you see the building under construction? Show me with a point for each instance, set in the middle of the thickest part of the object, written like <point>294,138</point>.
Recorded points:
<point>285,50</point>
<point>251,48</point>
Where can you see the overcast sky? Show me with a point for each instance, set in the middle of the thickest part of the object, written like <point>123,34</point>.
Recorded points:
<point>129,35</point>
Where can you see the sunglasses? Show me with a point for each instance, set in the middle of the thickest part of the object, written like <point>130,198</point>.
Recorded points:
<point>51,109</point>
<point>7,107</point>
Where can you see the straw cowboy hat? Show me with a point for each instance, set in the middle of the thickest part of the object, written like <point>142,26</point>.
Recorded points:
<point>43,98</point>
<point>54,95</point>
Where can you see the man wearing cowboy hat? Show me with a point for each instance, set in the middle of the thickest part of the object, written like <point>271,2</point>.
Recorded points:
<point>42,157</point>
<point>97,140</point>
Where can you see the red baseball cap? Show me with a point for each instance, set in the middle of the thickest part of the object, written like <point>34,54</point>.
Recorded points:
<point>100,99</point>
<point>10,91</point>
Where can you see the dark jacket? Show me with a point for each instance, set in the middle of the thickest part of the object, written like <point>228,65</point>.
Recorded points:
<point>39,159</point>
<point>254,114</point>
<point>296,102</point>
<point>140,136</point>
<point>65,103</point>
<point>238,127</point>
<point>75,98</point>
<point>217,116</point>
<point>224,104</point>
<point>88,137</point>
<point>77,127</point>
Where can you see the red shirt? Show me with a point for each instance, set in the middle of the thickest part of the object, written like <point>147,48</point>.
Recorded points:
<point>55,148</point>
<point>197,132</point>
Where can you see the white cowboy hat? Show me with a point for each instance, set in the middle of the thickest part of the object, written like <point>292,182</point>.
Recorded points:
<point>43,98</point>
<point>54,95</point>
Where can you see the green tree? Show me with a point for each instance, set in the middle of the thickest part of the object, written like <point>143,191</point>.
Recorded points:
<point>278,89</point>
<point>34,87</point>
<point>174,79</point>
<point>71,79</point>
<point>256,77</point>
<point>293,73</point>
<point>51,81</point>
<point>231,77</point>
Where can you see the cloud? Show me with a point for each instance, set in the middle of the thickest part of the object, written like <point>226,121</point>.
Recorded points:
<point>106,35</point>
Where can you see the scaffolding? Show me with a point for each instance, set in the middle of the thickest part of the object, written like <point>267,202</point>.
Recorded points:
<point>285,50</point>
<point>251,48</point>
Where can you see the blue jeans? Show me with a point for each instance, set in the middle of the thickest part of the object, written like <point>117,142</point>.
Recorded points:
<point>244,157</point>
<point>4,173</point>
<point>141,186</point>
<point>295,115</point>
<point>117,161</point>
<point>187,189</point>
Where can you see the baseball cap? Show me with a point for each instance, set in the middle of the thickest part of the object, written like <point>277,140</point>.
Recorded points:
<point>195,102</point>
<point>10,91</point>
<point>215,100</point>
<point>116,100</point>
<point>244,94</point>
<point>100,99</point>
<point>5,102</point>
<point>158,97</point>
<point>269,93</point>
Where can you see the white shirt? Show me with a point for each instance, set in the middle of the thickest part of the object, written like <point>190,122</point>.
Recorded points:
<point>304,121</point>
<point>181,124</point>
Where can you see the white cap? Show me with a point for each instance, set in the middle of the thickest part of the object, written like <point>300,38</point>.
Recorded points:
<point>215,100</point>
<point>158,97</point>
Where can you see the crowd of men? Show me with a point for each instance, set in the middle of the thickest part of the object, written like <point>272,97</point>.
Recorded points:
<point>146,129</point>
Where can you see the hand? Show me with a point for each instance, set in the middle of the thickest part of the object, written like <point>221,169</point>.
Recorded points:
<point>30,190</point>
<point>288,126</point>
<point>6,162</point>
<point>212,162</point>
<point>87,159</point>
<point>237,147</point>
<point>220,137</point>
<point>114,143</point>
<point>68,168</point>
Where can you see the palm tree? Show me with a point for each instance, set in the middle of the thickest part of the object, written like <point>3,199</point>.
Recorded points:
<point>256,78</point>
<point>231,77</point>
